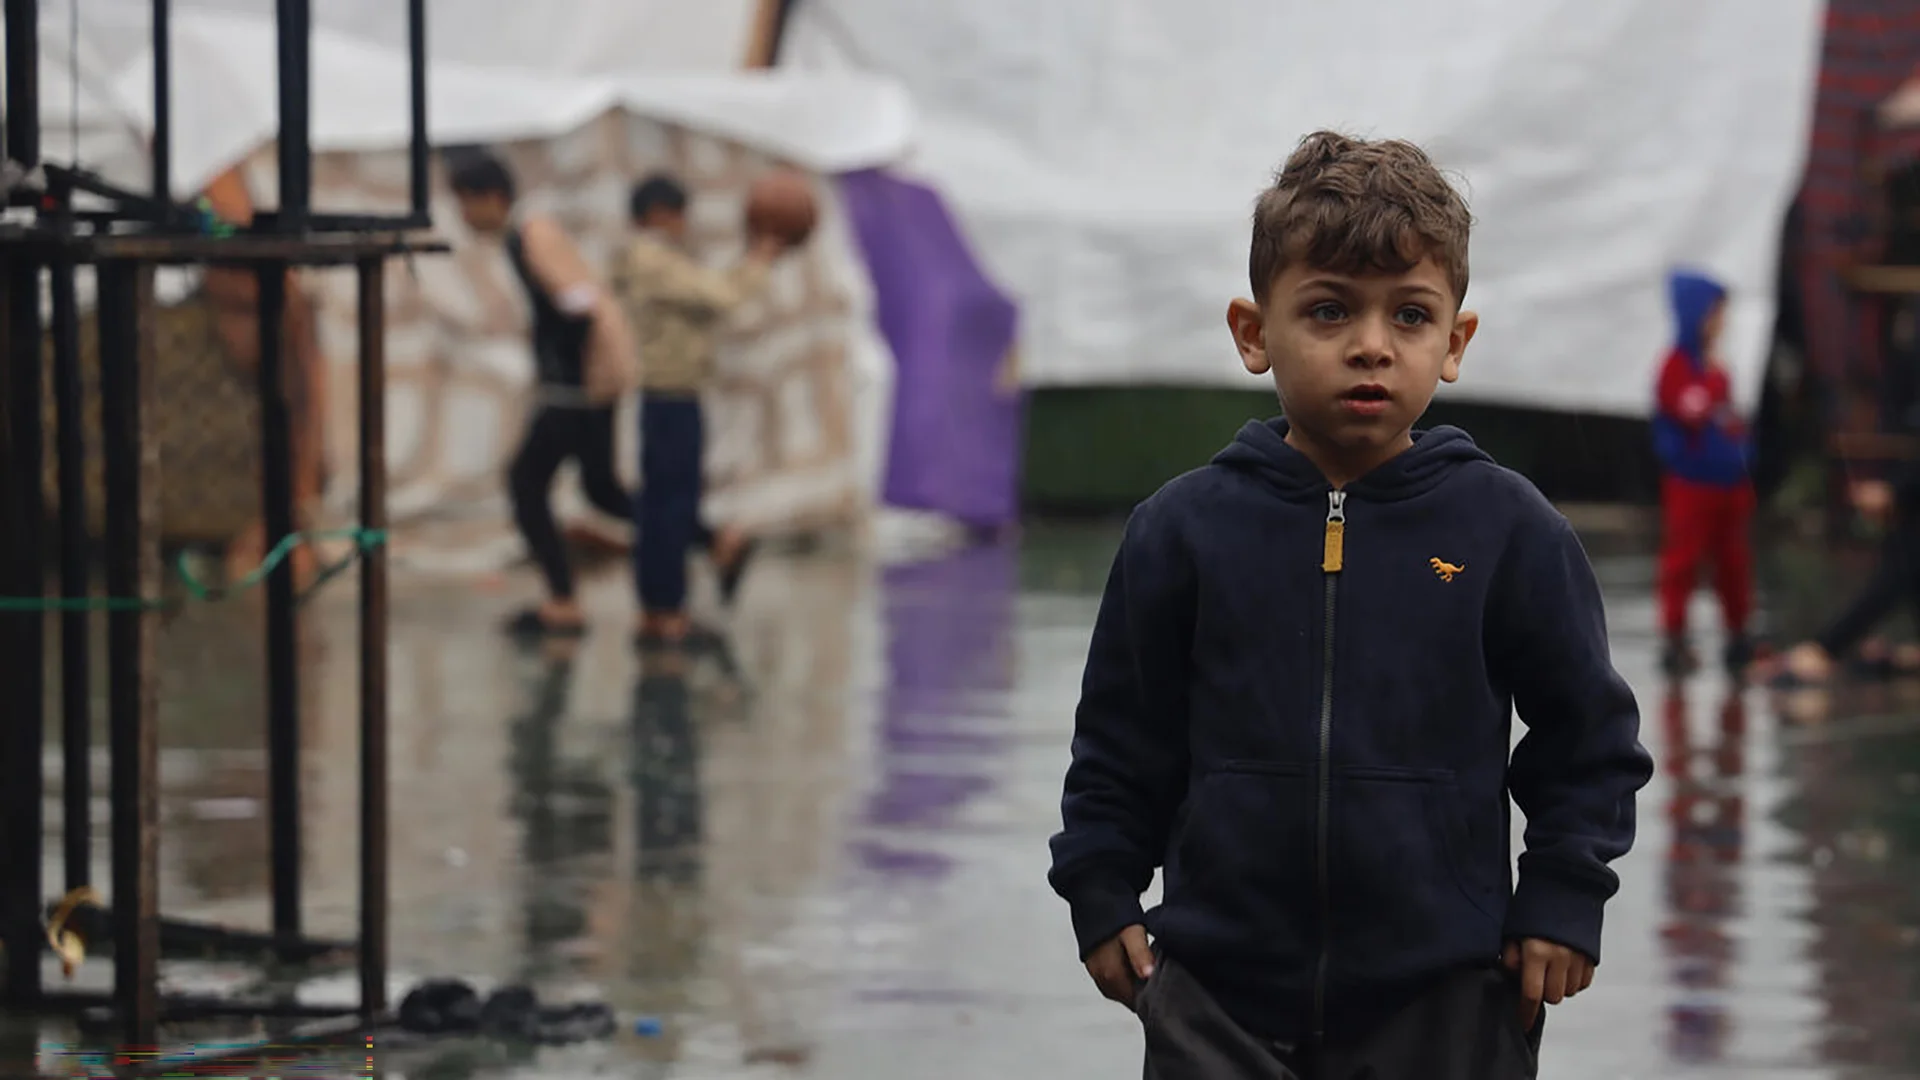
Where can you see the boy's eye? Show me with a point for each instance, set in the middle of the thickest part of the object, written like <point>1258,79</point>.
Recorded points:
<point>1327,311</point>
<point>1412,316</point>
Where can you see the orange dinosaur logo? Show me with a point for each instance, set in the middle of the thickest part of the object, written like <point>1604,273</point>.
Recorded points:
<point>1446,570</point>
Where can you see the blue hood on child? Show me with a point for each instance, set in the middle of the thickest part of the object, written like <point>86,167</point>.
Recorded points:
<point>1710,453</point>
<point>1693,295</point>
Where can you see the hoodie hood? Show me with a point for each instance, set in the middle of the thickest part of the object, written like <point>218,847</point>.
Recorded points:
<point>1261,447</point>
<point>1693,295</point>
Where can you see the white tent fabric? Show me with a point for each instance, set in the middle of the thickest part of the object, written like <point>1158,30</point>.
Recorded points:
<point>826,123</point>
<point>224,100</point>
<point>574,36</point>
<point>1104,155</point>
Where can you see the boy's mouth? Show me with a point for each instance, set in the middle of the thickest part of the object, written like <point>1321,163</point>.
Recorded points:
<point>1368,399</point>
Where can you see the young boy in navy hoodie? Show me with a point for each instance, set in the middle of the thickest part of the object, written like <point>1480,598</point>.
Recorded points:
<point>1297,698</point>
<point>1706,492</point>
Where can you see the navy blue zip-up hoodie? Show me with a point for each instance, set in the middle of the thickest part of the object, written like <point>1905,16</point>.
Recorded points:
<point>1308,728</point>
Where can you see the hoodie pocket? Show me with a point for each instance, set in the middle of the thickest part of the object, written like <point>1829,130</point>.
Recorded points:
<point>1402,863</point>
<point>1240,872</point>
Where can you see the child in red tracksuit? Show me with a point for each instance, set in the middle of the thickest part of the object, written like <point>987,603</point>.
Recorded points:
<point>1706,492</point>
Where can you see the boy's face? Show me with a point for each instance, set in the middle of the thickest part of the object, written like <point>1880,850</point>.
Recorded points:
<point>669,222</point>
<point>1356,360</point>
<point>1711,325</point>
<point>484,212</point>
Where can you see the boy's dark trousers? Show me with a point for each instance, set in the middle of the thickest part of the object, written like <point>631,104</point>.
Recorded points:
<point>1466,1028</point>
<point>673,445</point>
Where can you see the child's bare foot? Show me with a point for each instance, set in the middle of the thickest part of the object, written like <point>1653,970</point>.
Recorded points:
<point>665,627</point>
<point>1906,659</point>
<point>1806,664</point>
<point>553,617</point>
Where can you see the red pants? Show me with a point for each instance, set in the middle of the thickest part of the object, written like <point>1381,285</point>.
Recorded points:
<point>1701,523</point>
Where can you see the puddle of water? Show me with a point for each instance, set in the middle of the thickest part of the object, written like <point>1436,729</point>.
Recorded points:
<point>829,861</point>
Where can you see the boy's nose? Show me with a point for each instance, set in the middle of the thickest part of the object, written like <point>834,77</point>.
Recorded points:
<point>1372,344</point>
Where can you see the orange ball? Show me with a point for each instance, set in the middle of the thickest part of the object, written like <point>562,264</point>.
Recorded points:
<point>781,202</point>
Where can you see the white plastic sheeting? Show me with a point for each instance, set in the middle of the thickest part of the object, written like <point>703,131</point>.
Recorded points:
<point>574,36</point>
<point>224,103</point>
<point>224,97</point>
<point>1104,155</point>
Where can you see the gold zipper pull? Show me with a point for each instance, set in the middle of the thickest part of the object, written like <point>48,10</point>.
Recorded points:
<point>1334,553</point>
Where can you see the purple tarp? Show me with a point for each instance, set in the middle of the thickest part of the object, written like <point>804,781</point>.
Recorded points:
<point>956,439</point>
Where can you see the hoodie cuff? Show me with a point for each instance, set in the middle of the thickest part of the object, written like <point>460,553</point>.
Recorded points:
<point>1558,910</point>
<point>1102,907</point>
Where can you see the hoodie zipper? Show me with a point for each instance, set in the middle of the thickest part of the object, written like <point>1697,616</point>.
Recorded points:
<point>1333,558</point>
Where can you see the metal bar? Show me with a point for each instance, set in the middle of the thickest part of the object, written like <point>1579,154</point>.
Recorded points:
<point>133,569</point>
<point>176,1007</point>
<point>162,101</point>
<point>782,20</point>
<point>417,134</point>
<point>268,223</point>
<point>293,24</point>
<point>335,250</point>
<point>276,502</point>
<point>13,767</point>
<point>185,937</point>
<point>275,1049</point>
<point>23,81</point>
<point>25,644</point>
<point>76,690</point>
<point>373,640</point>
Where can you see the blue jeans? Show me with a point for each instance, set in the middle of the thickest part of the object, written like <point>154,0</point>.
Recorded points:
<point>667,519</point>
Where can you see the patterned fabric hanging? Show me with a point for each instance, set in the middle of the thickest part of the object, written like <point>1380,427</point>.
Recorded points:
<point>207,421</point>
<point>1871,48</point>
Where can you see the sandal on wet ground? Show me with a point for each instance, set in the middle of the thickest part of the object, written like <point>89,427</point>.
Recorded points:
<point>529,624</point>
<point>729,575</point>
<point>696,639</point>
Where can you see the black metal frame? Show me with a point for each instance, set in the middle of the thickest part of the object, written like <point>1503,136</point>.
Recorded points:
<point>125,243</point>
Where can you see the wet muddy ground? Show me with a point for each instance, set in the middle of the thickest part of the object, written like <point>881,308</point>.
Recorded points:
<point>829,861</point>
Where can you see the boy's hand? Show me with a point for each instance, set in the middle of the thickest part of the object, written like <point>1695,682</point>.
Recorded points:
<point>1872,498</point>
<point>766,247</point>
<point>1121,964</point>
<point>1548,973</point>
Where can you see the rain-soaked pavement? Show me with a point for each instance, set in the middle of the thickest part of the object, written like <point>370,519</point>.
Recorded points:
<point>830,862</point>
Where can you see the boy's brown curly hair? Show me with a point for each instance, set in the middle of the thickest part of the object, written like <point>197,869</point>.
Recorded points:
<point>1355,206</point>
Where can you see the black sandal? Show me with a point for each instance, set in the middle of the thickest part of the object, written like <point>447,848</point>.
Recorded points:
<point>696,639</point>
<point>729,575</point>
<point>529,624</point>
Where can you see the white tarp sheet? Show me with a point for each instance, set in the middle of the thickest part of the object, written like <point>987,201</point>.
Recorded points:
<point>224,103</point>
<point>572,36</point>
<point>827,123</point>
<point>1104,155</point>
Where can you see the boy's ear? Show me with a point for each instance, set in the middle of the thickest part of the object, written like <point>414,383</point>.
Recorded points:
<point>1465,325</point>
<point>1249,328</point>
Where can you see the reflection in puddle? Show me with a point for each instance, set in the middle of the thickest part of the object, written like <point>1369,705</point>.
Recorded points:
<point>824,856</point>
<point>1706,812</point>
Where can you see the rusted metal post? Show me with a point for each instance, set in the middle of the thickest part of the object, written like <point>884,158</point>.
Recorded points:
<point>162,101</point>
<point>23,734</point>
<point>417,138</point>
<point>373,640</point>
<point>283,692</point>
<point>293,28</point>
<point>23,81</point>
<point>133,570</point>
<point>76,647</point>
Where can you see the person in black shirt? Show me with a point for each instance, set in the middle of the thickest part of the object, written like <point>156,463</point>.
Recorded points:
<point>583,364</point>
